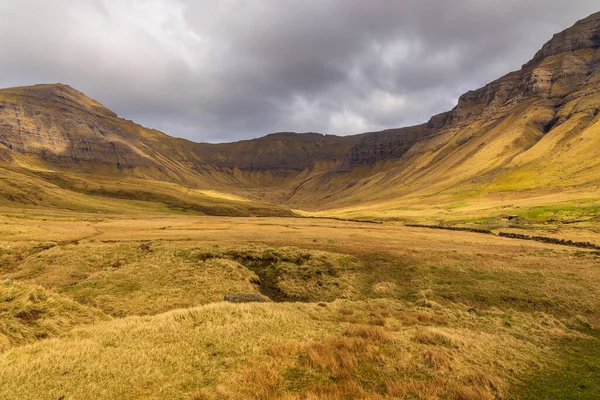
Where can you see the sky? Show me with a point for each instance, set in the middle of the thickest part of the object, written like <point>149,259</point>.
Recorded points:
<point>225,70</point>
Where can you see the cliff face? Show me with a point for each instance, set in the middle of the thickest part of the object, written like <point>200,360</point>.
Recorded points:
<point>536,80</point>
<point>59,124</point>
<point>283,151</point>
<point>563,66</point>
<point>585,34</point>
<point>380,146</point>
<point>533,128</point>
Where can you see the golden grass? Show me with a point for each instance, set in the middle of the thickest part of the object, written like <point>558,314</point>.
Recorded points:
<point>33,189</point>
<point>429,314</point>
<point>122,279</point>
<point>30,313</point>
<point>271,351</point>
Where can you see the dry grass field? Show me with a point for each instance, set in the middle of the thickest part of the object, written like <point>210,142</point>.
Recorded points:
<point>359,311</point>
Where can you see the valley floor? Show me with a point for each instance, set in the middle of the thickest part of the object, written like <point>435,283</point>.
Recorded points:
<point>359,311</point>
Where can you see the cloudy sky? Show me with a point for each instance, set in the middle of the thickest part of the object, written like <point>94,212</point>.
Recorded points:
<point>222,70</point>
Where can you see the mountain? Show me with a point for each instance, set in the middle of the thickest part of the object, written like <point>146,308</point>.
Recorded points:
<point>532,130</point>
<point>61,149</point>
<point>55,131</point>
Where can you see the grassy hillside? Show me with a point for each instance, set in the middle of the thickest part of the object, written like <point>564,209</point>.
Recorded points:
<point>31,313</point>
<point>541,141</point>
<point>34,189</point>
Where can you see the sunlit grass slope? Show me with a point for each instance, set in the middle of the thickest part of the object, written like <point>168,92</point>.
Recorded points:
<point>122,280</point>
<point>29,313</point>
<point>35,189</point>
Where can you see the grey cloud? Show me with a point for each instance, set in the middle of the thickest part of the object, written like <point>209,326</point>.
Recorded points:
<point>233,69</point>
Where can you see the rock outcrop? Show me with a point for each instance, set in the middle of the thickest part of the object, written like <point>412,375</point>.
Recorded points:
<point>585,34</point>
<point>379,146</point>
<point>284,151</point>
<point>58,124</point>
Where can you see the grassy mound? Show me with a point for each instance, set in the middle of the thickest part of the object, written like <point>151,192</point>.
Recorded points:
<point>29,313</point>
<point>122,279</point>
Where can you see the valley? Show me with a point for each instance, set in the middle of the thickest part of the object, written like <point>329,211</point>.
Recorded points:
<point>455,259</point>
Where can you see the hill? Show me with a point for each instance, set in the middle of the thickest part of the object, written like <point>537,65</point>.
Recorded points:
<point>61,149</point>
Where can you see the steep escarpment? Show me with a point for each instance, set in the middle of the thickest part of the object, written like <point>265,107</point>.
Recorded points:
<point>60,126</point>
<point>583,35</point>
<point>379,146</point>
<point>61,149</point>
<point>558,72</point>
<point>285,151</point>
<point>57,128</point>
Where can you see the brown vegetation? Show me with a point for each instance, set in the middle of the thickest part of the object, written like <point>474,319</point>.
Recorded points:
<point>466,318</point>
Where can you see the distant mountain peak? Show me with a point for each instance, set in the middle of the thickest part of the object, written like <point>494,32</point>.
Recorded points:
<point>62,94</point>
<point>585,34</point>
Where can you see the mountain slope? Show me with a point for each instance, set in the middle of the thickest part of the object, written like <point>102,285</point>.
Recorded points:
<point>531,129</point>
<point>61,136</point>
<point>61,149</point>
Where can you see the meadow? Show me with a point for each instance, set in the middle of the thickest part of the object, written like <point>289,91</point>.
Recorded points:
<point>107,306</point>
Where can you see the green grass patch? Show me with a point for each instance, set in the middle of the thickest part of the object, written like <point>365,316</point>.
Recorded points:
<point>575,376</point>
<point>455,206</point>
<point>561,212</point>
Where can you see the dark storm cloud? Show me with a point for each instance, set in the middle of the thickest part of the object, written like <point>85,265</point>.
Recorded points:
<point>232,69</point>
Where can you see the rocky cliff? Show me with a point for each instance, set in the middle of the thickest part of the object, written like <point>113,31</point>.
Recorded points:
<point>60,125</point>
<point>284,151</point>
<point>565,65</point>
